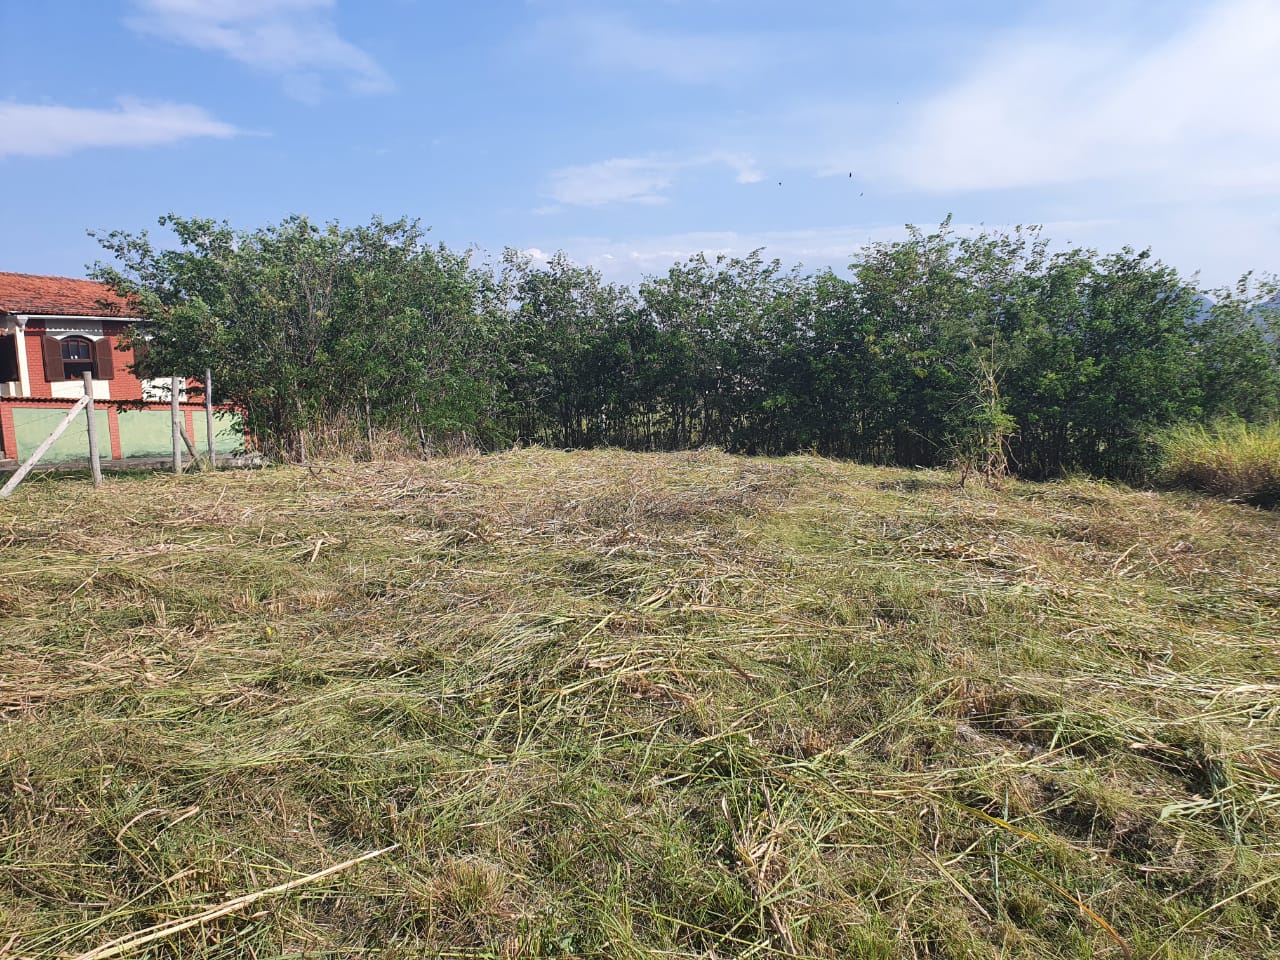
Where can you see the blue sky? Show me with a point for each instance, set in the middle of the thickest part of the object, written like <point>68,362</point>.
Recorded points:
<point>631,135</point>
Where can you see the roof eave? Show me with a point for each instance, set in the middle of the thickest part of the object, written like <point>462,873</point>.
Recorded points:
<point>68,316</point>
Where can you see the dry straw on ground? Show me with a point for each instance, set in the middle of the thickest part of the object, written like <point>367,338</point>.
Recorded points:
<point>622,705</point>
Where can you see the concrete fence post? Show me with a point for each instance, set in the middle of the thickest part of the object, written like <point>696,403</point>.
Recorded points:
<point>95,464</point>
<point>175,385</point>
<point>208,416</point>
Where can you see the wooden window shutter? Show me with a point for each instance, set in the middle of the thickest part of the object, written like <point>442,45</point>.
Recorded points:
<point>53,370</point>
<point>104,367</point>
<point>8,358</point>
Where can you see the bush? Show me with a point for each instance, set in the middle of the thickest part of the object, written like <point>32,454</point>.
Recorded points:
<point>1230,458</point>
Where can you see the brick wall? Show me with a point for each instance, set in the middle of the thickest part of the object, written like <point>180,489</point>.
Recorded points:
<point>8,443</point>
<point>35,363</point>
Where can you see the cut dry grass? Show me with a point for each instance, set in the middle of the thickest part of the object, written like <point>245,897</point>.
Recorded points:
<point>623,705</point>
<point>1230,459</point>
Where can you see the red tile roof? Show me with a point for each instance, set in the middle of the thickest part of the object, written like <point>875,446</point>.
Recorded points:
<point>59,297</point>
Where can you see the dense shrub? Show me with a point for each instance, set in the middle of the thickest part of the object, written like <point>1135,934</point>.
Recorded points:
<point>1083,354</point>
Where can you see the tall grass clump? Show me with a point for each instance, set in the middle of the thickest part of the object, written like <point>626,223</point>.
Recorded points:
<point>1229,458</point>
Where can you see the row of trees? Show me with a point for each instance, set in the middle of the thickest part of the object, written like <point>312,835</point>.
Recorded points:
<point>1067,358</point>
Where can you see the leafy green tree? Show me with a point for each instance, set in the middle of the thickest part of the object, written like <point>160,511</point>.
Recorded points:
<point>305,326</point>
<point>1237,343</point>
<point>985,347</point>
<point>572,354</point>
<point>1133,346</point>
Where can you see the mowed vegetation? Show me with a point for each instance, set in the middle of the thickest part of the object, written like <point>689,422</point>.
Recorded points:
<point>637,705</point>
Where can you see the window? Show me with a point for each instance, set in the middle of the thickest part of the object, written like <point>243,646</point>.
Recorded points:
<point>8,358</point>
<point>70,358</point>
<point>77,357</point>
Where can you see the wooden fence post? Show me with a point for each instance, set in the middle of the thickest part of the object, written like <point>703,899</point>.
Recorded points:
<point>186,442</point>
<point>95,465</point>
<point>175,384</point>
<point>208,416</point>
<point>21,473</point>
<point>368,421</point>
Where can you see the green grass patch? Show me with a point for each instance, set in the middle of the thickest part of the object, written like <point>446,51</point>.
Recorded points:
<point>622,705</point>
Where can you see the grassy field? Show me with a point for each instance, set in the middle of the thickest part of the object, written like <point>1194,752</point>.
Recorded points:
<point>628,705</point>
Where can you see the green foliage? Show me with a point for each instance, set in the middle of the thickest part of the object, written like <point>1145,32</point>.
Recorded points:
<point>1229,458</point>
<point>1238,343</point>
<point>305,326</point>
<point>571,340</point>
<point>302,324</point>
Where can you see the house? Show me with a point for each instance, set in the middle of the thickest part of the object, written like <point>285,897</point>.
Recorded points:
<point>53,330</point>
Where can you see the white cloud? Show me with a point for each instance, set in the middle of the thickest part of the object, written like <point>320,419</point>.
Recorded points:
<point>295,39</point>
<point>745,169</point>
<point>1194,111</point>
<point>644,180</point>
<point>620,180</point>
<point>629,259</point>
<point>536,255</point>
<point>35,130</point>
<point>1176,237</point>
<point>608,43</point>
<point>1220,241</point>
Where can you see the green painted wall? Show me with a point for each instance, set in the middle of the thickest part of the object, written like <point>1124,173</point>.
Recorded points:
<point>32,425</point>
<point>143,433</point>
<point>226,438</point>
<point>146,433</point>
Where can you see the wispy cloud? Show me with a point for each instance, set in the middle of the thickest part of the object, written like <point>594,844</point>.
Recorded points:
<point>1194,111</point>
<point>1176,236</point>
<point>631,258</point>
<point>42,130</point>
<point>294,39</point>
<point>744,168</point>
<point>644,180</point>
<point>620,180</point>
<point>614,44</point>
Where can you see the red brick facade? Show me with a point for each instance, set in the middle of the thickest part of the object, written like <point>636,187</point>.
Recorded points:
<point>8,435</point>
